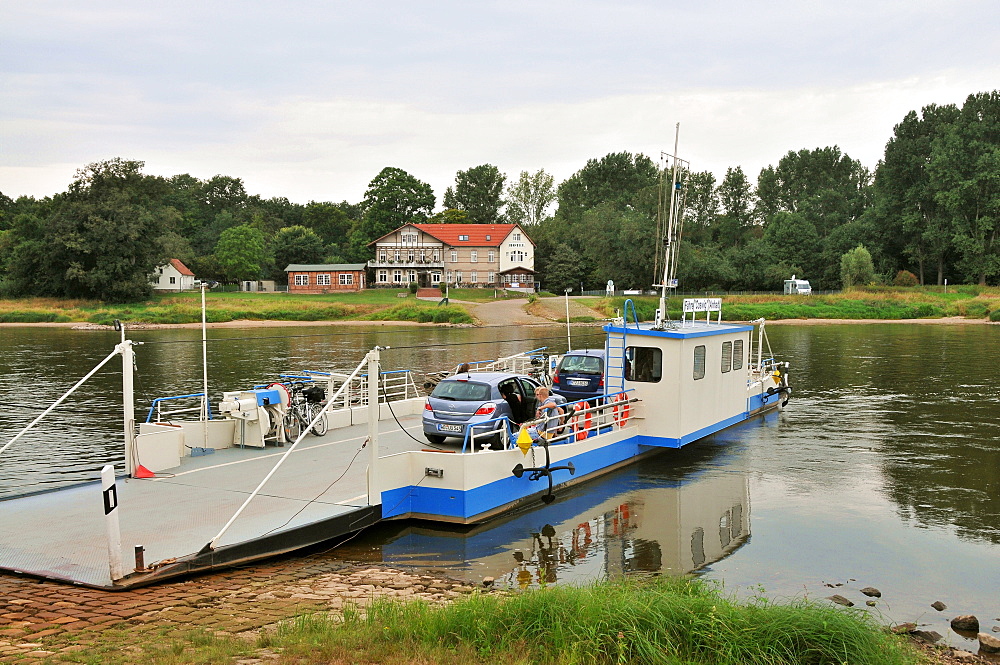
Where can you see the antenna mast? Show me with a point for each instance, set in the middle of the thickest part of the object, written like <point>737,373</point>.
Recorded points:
<point>672,233</point>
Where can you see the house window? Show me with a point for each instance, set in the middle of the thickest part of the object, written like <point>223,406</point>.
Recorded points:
<point>473,277</point>
<point>302,280</point>
<point>397,276</point>
<point>413,275</point>
<point>489,237</point>
<point>383,276</point>
<point>408,238</point>
<point>727,356</point>
<point>517,236</point>
<point>381,256</point>
<point>450,276</point>
<point>463,237</point>
<point>738,354</point>
<point>173,280</point>
<point>643,363</point>
<point>435,278</point>
<point>699,362</point>
<point>437,256</point>
<point>323,280</point>
<point>454,256</point>
<point>475,257</point>
<point>409,256</point>
<point>395,256</point>
<point>493,255</point>
<point>458,276</point>
<point>493,278</point>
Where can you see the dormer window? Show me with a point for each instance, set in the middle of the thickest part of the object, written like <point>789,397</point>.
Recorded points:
<point>489,238</point>
<point>463,237</point>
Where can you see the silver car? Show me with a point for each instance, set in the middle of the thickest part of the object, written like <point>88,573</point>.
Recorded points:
<point>464,400</point>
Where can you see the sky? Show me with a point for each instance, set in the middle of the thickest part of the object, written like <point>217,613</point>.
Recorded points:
<point>309,100</point>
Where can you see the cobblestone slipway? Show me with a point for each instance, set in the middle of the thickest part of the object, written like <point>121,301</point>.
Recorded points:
<point>38,619</point>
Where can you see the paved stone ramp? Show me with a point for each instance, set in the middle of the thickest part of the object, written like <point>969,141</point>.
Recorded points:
<point>40,621</point>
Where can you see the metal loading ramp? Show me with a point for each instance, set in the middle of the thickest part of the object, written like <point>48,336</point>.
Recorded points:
<point>319,494</point>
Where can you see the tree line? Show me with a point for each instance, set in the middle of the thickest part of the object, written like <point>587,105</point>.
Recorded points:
<point>930,211</point>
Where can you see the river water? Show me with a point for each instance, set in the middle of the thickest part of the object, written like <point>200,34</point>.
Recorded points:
<point>883,471</point>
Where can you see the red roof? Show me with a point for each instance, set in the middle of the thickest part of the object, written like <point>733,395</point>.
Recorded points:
<point>181,268</point>
<point>477,233</point>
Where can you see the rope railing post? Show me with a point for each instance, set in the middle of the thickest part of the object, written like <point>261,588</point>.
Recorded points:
<point>118,349</point>
<point>210,545</point>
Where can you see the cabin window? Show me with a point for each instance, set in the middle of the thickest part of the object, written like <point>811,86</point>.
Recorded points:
<point>643,363</point>
<point>323,280</point>
<point>738,354</point>
<point>346,279</point>
<point>302,280</point>
<point>699,362</point>
<point>727,356</point>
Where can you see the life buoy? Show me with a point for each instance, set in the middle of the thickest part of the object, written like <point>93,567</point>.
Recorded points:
<point>588,420</point>
<point>620,410</point>
<point>581,423</point>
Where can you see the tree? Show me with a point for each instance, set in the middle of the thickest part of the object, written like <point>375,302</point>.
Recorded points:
<point>478,191</point>
<point>907,211</point>
<point>393,198</point>
<point>295,244</point>
<point>100,239</point>
<point>565,269</point>
<point>329,220</point>
<point>856,268</point>
<point>702,209</point>
<point>449,216</point>
<point>965,174</point>
<point>736,196</point>
<point>240,253</point>
<point>530,197</point>
<point>615,179</point>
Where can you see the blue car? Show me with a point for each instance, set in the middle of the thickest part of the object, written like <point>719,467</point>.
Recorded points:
<point>464,400</point>
<point>580,375</point>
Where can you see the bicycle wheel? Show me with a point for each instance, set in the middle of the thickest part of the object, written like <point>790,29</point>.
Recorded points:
<point>291,426</point>
<point>321,426</point>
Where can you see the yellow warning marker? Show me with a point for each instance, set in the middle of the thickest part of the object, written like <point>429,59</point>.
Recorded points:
<point>524,440</point>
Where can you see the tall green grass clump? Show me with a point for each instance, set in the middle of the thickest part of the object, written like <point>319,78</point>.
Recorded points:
<point>664,621</point>
<point>423,314</point>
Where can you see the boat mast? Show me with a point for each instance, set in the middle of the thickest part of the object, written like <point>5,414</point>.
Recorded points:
<point>671,236</point>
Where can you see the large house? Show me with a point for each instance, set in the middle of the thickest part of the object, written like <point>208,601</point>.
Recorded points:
<point>325,278</point>
<point>173,276</point>
<point>494,255</point>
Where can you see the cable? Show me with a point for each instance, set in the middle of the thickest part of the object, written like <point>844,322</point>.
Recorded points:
<point>316,498</point>
<point>401,427</point>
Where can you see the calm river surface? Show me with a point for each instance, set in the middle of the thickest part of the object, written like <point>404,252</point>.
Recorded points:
<point>883,471</point>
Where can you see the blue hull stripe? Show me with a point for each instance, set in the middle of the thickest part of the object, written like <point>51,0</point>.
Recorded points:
<point>466,504</point>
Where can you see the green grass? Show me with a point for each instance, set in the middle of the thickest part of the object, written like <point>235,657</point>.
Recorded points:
<point>636,621</point>
<point>887,303</point>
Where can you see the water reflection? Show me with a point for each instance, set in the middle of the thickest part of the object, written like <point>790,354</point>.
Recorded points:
<point>675,513</point>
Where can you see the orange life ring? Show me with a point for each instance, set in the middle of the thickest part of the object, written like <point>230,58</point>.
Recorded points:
<point>620,410</point>
<point>588,421</point>
<point>288,393</point>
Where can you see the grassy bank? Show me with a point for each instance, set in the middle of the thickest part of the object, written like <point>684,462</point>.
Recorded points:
<point>659,621</point>
<point>888,303</point>
<point>370,305</point>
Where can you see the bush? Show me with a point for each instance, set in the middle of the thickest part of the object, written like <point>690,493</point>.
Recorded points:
<point>995,315</point>
<point>413,287</point>
<point>905,278</point>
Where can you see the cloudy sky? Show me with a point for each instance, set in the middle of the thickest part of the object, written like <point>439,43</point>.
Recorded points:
<point>310,99</point>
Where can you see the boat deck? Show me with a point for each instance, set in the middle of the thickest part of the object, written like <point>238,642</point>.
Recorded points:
<point>318,494</point>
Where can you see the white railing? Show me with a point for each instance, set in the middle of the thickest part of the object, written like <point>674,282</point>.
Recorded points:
<point>394,385</point>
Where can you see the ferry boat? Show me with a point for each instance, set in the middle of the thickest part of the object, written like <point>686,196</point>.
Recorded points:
<point>208,493</point>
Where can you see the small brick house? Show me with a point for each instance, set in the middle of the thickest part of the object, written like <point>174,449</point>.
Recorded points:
<point>325,277</point>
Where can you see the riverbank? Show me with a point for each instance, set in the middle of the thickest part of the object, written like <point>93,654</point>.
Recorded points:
<point>314,611</point>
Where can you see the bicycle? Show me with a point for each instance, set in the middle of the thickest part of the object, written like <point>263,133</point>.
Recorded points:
<point>304,406</point>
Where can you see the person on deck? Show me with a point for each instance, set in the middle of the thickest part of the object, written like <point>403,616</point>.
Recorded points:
<point>547,408</point>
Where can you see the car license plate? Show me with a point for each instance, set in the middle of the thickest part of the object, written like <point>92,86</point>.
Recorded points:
<point>450,428</point>
<point>579,382</point>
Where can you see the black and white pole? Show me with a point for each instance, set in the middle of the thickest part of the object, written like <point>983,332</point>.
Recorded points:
<point>109,491</point>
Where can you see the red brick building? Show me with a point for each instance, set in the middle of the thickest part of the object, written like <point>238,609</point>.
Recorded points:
<point>325,278</point>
